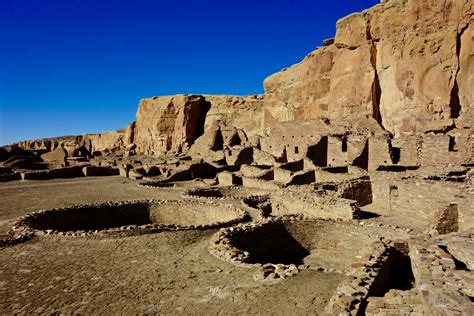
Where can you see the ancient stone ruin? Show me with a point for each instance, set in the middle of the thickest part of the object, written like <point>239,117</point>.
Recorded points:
<point>345,189</point>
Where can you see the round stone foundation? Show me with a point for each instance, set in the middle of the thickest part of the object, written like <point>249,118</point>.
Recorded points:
<point>220,192</point>
<point>320,244</point>
<point>130,217</point>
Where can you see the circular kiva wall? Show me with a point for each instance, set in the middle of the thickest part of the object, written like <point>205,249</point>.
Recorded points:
<point>314,243</point>
<point>221,192</point>
<point>130,217</point>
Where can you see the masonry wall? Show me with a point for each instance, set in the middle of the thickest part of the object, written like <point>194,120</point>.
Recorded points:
<point>446,149</point>
<point>379,153</point>
<point>419,199</point>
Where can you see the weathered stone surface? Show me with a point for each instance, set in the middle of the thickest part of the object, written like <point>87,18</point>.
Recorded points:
<point>105,141</point>
<point>57,156</point>
<point>226,178</point>
<point>462,251</point>
<point>169,124</point>
<point>393,62</point>
<point>172,124</point>
<point>242,112</point>
<point>446,220</point>
<point>93,171</point>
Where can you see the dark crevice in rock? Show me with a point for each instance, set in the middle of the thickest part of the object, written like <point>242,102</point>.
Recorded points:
<point>218,141</point>
<point>206,106</point>
<point>454,103</point>
<point>362,161</point>
<point>459,265</point>
<point>376,89</point>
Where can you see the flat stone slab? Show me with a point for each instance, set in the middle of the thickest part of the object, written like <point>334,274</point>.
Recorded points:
<point>463,251</point>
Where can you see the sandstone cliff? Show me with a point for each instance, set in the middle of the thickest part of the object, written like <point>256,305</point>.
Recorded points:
<point>404,62</point>
<point>171,124</point>
<point>399,69</point>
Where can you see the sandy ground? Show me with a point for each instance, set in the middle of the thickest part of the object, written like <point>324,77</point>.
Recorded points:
<point>167,273</point>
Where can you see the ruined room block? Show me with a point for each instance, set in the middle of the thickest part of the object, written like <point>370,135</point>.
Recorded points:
<point>94,171</point>
<point>152,171</point>
<point>443,149</point>
<point>65,173</point>
<point>261,158</point>
<point>359,190</point>
<point>303,177</point>
<point>379,152</point>
<point>338,151</point>
<point>255,172</point>
<point>239,155</point>
<point>260,184</point>
<point>406,151</point>
<point>123,171</point>
<point>57,156</point>
<point>282,175</point>
<point>445,220</point>
<point>227,178</point>
<point>135,175</point>
<point>34,175</point>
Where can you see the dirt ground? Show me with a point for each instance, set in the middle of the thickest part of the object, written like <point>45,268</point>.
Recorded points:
<point>167,272</point>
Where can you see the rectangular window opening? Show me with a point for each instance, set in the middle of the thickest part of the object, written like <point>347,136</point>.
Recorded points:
<point>452,144</point>
<point>344,144</point>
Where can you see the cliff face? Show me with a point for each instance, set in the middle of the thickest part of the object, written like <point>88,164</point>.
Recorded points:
<point>172,124</point>
<point>400,68</point>
<point>403,62</point>
<point>169,124</point>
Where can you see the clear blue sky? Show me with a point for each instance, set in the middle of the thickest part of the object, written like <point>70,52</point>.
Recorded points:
<point>73,66</point>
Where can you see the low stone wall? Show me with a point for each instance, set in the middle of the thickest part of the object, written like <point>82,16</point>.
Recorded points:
<point>221,245</point>
<point>260,184</point>
<point>395,302</point>
<point>446,286</point>
<point>359,190</point>
<point>313,205</point>
<point>10,177</point>
<point>211,193</point>
<point>144,216</point>
<point>94,171</point>
<point>355,288</point>
<point>157,184</point>
<point>16,238</point>
<point>58,173</point>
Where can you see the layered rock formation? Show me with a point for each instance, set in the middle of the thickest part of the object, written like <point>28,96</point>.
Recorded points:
<point>399,73</point>
<point>171,124</point>
<point>404,63</point>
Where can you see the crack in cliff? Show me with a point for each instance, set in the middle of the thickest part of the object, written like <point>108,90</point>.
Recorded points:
<point>376,92</point>
<point>454,102</point>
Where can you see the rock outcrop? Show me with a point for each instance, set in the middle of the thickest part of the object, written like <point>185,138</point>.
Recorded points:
<point>171,124</point>
<point>404,63</point>
<point>399,74</point>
